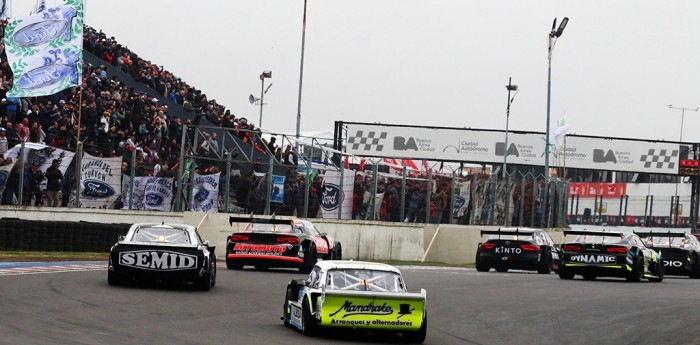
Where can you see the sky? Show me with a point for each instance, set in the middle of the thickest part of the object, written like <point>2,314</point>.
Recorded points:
<point>615,69</point>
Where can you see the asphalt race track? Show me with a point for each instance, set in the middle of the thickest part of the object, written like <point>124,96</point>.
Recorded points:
<point>465,307</point>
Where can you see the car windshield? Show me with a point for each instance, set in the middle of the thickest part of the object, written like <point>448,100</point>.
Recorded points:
<point>266,227</point>
<point>677,242</point>
<point>365,280</point>
<point>613,238</point>
<point>161,235</point>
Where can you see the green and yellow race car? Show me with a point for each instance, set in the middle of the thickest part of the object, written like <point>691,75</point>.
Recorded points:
<point>356,295</point>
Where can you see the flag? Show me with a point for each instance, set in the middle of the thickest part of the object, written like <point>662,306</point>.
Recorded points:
<point>205,193</point>
<point>40,6</point>
<point>158,193</point>
<point>100,181</point>
<point>277,193</point>
<point>5,9</point>
<point>332,195</point>
<point>560,132</point>
<point>45,50</point>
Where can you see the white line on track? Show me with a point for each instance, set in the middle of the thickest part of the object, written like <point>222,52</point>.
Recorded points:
<point>51,269</point>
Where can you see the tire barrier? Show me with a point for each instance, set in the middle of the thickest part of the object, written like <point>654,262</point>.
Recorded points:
<point>48,236</point>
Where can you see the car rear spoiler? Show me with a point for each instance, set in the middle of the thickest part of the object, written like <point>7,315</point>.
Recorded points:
<point>660,234</point>
<point>232,220</point>
<point>593,233</point>
<point>500,232</point>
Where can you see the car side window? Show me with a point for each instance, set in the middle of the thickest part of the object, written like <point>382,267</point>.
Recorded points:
<point>311,229</point>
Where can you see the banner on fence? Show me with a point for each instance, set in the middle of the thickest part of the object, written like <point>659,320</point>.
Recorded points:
<point>136,200</point>
<point>462,196</point>
<point>205,193</point>
<point>100,179</point>
<point>333,194</point>
<point>158,193</point>
<point>41,156</point>
<point>4,174</point>
<point>277,194</point>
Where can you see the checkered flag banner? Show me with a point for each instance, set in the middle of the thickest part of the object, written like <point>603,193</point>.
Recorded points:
<point>653,160</point>
<point>371,141</point>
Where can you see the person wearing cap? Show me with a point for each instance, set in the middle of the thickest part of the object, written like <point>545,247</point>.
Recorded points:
<point>3,141</point>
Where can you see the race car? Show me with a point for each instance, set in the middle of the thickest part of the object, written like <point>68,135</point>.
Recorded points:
<point>162,252</point>
<point>270,242</point>
<point>355,295</point>
<point>680,252</point>
<point>609,254</point>
<point>524,249</point>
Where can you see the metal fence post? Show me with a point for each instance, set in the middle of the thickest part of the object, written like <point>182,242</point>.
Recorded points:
<point>472,215</point>
<point>22,161</point>
<point>181,170</point>
<point>227,196</point>
<point>78,163</point>
<point>533,208</point>
<point>341,195</point>
<point>132,169</point>
<point>428,195</point>
<point>507,205</point>
<point>452,196</point>
<point>373,194</point>
<point>307,187</point>
<point>402,212</point>
<point>269,187</point>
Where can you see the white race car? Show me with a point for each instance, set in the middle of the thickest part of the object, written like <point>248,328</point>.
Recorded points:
<point>357,295</point>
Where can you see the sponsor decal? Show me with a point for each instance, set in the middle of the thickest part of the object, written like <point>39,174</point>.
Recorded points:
<point>506,250</point>
<point>157,260</point>
<point>349,308</point>
<point>296,315</point>
<point>592,259</point>
<point>262,248</point>
<point>669,263</point>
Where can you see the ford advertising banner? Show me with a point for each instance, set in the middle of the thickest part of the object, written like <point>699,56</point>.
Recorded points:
<point>488,146</point>
<point>333,193</point>
<point>158,193</point>
<point>45,50</point>
<point>100,181</point>
<point>205,193</point>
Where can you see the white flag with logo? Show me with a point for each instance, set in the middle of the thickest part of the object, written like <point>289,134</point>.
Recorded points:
<point>100,181</point>
<point>136,201</point>
<point>205,193</point>
<point>158,195</point>
<point>332,194</point>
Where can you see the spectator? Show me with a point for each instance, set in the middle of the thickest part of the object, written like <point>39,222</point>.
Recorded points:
<point>3,142</point>
<point>53,183</point>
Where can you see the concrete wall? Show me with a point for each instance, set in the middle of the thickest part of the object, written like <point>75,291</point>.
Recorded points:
<point>453,244</point>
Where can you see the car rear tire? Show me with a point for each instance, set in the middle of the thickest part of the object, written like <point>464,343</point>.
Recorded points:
<point>233,265</point>
<point>637,272</point>
<point>337,252</point>
<point>481,267</point>
<point>310,259</point>
<point>546,263</point>
<point>417,337</point>
<point>659,272</point>
<point>309,322</point>
<point>695,273</point>
<point>566,273</point>
<point>206,281</point>
<point>114,278</point>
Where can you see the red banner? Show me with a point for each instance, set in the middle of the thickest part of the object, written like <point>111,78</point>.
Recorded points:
<point>593,189</point>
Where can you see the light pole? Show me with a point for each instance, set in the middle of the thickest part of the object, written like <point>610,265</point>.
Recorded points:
<point>510,87</point>
<point>301,76</point>
<point>553,36</point>
<point>670,106</point>
<point>259,101</point>
<point>676,206</point>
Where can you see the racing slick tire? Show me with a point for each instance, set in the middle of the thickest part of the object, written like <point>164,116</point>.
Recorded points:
<point>310,259</point>
<point>637,272</point>
<point>309,322</point>
<point>546,263</point>
<point>659,272</point>
<point>114,278</point>
<point>337,253</point>
<point>501,269</point>
<point>207,280</point>
<point>233,265</point>
<point>417,337</point>
<point>589,276</point>
<point>566,273</point>
<point>481,267</point>
<point>695,273</point>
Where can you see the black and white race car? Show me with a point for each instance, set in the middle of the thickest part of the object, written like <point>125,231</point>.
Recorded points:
<point>609,254</point>
<point>514,248</point>
<point>162,252</point>
<point>680,252</point>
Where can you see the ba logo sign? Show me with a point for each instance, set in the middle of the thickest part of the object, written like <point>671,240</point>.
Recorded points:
<point>600,156</point>
<point>403,144</point>
<point>330,200</point>
<point>512,149</point>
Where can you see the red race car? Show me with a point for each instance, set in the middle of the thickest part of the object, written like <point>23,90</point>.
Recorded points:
<point>269,242</point>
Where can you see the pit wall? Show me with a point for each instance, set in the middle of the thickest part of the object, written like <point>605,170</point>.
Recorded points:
<point>372,241</point>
